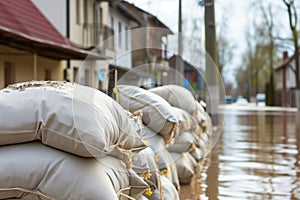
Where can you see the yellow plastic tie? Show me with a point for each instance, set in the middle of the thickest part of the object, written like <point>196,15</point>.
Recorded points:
<point>157,157</point>
<point>115,90</point>
<point>198,132</point>
<point>146,143</point>
<point>148,192</point>
<point>165,172</point>
<point>172,167</point>
<point>147,175</point>
<point>198,164</point>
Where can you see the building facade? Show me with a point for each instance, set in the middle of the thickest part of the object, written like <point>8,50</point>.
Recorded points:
<point>31,47</point>
<point>102,27</point>
<point>285,82</point>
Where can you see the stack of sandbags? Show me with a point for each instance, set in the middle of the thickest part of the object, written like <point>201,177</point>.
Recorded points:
<point>65,141</point>
<point>36,171</point>
<point>192,142</point>
<point>164,160</point>
<point>174,126</point>
<point>160,125</point>
<point>157,112</point>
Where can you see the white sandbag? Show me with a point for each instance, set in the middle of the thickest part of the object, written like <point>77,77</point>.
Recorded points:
<point>157,144</point>
<point>178,112</point>
<point>36,171</point>
<point>138,186</point>
<point>187,120</point>
<point>194,162</point>
<point>177,96</point>
<point>66,116</point>
<point>197,154</point>
<point>184,142</point>
<point>156,195</point>
<point>157,113</point>
<point>164,160</point>
<point>136,119</point>
<point>145,166</point>
<point>142,198</point>
<point>185,168</point>
<point>169,191</point>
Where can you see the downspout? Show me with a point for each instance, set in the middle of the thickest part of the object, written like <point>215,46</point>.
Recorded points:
<point>68,35</point>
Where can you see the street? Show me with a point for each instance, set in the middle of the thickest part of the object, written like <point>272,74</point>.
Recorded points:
<point>256,157</point>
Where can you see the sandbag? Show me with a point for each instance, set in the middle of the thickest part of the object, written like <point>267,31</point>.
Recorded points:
<point>184,142</point>
<point>145,166</point>
<point>36,171</point>
<point>185,168</point>
<point>156,195</point>
<point>197,154</point>
<point>157,113</point>
<point>164,160</point>
<point>177,96</point>
<point>178,112</point>
<point>157,144</point>
<point>142,198</point>
<point>169,191</point>
<point>136,120</point>
<point>188,121</point>
<point>194,162</point>
<point>66,116</point>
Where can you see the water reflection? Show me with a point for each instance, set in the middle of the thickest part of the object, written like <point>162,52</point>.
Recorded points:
<point>257,157</point>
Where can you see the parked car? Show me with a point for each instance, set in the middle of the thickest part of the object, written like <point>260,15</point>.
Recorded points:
<point>227,99</point>
<point>241,101</point>
<point>261,99</point>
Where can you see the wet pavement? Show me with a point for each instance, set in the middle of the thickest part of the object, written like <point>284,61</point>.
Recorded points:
<point>256,157</point>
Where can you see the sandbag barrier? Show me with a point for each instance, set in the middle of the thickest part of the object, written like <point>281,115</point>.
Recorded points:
<point>61,140</point>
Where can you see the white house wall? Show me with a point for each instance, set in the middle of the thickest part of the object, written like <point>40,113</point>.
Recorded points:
<point>55,11</point>
<point>123,54</point>
<point>290,77</point>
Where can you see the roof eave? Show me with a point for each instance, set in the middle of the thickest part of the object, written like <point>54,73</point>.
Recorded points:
<point>43,47</point>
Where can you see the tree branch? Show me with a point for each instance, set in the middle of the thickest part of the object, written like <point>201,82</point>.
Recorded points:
<point>283,39</point>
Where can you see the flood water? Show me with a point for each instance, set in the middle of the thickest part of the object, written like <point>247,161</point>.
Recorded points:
<point>256,157</point>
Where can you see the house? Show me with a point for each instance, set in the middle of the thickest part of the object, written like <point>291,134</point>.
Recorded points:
<point>31,47</point>
<point>285,81</point>
<point>102,27</point>
<point>149,44</point>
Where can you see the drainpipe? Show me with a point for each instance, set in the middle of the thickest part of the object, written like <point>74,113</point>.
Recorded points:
<point>68,34</point>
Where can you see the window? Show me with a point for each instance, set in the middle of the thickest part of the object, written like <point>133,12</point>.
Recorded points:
<point>47,74</point>
<point>87,77</point>
<point>9,73</point>
<point>85,12</point>
<point>126,38</point>
<point>120,35</point>
<point>75,74</point>
<point>100,18</point>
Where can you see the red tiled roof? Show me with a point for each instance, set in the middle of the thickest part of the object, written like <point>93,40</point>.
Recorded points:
<point>24,17</point>
<point>23,26</point>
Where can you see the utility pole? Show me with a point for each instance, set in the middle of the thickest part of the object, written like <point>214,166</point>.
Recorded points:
<point>179,61</point>
<point>212,74</point>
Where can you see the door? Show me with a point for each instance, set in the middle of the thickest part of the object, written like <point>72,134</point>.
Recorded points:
<point>9,73</point>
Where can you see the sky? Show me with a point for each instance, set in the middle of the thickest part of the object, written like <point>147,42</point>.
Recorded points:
<point>237,16</point>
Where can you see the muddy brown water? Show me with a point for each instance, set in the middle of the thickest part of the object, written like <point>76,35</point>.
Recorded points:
<point>256,157</point>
